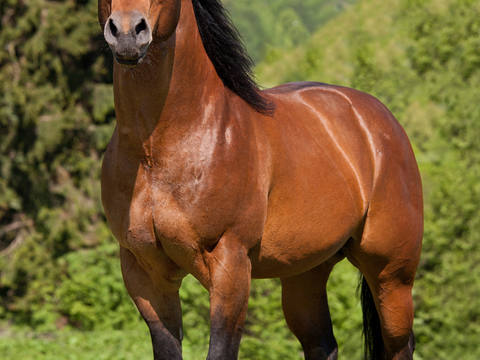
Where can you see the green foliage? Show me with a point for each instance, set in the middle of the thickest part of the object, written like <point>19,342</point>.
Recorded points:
<point>270,26</point>
<point>266,335</point>
<point>345,310</point>
<point>52,136</point>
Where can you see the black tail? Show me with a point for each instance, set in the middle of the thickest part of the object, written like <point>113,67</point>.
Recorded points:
<point>372,330</point>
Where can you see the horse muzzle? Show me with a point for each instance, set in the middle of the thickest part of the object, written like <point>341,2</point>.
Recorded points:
<point>129,35</point>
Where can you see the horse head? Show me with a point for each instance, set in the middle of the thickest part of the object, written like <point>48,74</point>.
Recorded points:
<point>130,26</point>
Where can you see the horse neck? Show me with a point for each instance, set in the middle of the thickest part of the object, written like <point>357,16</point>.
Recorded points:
<point>172,88</point>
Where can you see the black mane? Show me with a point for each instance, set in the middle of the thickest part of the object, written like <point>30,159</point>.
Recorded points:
<point>225,49</point>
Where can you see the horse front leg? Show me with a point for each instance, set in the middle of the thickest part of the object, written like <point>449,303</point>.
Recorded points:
<point>159,305</point>
<point>230,272</point>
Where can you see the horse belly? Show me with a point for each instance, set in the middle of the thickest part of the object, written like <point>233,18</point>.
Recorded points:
<point>306,225</point>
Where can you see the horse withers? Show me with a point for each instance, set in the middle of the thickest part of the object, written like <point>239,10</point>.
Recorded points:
<point>208,175</point>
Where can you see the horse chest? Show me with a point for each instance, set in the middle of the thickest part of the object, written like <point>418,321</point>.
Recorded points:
<point>129,214</point>
<point>159,210</point>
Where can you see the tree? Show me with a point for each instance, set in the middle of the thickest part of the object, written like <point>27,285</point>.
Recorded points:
<point>56,118</point>
<point>271,26</point>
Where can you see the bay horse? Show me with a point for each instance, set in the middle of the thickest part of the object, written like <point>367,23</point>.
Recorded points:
<point>208,175</point>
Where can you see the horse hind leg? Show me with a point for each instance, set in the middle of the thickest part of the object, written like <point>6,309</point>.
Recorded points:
<point>388,320</point>
<point>388,257</point>
<point>375,333</point>
<point>305,305</point>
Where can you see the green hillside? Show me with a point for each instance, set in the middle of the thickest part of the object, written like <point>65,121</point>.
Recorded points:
<point>61,292</point>
<point>272,26</point>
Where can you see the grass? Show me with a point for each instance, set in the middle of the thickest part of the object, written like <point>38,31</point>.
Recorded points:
<point>95,345</point>
<point>91,345</point>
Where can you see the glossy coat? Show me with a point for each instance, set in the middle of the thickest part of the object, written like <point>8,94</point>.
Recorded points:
<point>195,180</point>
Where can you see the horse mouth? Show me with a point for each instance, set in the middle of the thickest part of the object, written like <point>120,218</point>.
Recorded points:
<point>130,63</point>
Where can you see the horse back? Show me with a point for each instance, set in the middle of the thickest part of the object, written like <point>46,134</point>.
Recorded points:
<point>347,127</point>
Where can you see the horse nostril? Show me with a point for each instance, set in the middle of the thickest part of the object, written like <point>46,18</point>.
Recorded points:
<point>142,25</point>
<point>113,28</point>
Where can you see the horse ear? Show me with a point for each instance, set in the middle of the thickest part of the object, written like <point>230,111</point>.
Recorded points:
<point>104,9</point>
<point>167,20</point>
